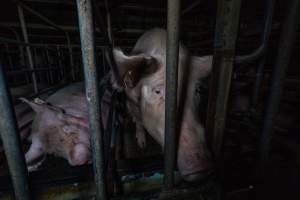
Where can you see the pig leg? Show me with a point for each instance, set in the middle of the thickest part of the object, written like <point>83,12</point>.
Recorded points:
<point>140,135</point>
<point>34,153</point>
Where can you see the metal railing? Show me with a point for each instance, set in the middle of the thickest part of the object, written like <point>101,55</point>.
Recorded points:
<point>224,57</point>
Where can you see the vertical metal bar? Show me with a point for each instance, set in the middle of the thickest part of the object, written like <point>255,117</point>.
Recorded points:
<point>11,142</point>
<point>226,31</point>
<point>71,57</point>
<point>25,35</point>
<point>86,26</point>
<point>171,91</point>
<point>10,62</point>
<point>35,58</point>
<point>49,65</point>
<point>269,7</point>
<point>108,23</point>
<point>287,38</point>
<point>60,63</point>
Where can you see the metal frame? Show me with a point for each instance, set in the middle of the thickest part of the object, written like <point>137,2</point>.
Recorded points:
<point>226,32</point>
<point>11,143</point>
<point>171,91</point>
<point>86,26</point>
<point>224,52</point>
<point>286,42</point>
<point>29,54</point>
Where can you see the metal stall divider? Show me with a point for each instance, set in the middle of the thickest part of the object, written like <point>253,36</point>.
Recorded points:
<point>171,92</point>
<point>86,27</point>
<point>226,31</point>
<point>25,35</point>
<point>70,51</point>
<point>286,42</point>
<point>11,143</point>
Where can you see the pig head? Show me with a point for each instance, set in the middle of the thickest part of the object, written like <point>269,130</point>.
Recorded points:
<point>141,75</point>
<point>60,127</point>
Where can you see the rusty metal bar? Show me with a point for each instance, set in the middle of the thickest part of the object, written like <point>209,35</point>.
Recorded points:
<point>86,26</point>
<point>226,31</point>
<point>25,35</point>
<point>171,92</point>
<point>11,143</point>
<point>286,42</point>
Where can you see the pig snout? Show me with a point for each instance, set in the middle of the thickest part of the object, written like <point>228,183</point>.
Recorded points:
<point>193,160</point>
<point>80,155</point>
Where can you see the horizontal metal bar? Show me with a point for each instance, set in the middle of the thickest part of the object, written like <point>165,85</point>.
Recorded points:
<point>11,143</point>
<point>22,71</point>
<point>37,14</point>
<point>86,26</point>
<point>172,57</point>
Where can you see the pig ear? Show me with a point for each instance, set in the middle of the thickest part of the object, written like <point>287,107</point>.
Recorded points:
<point>203,64</point>
<point>130,69</point>
<point>35,106</point>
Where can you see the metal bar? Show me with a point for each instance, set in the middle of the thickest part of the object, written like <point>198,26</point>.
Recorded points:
<point>226,31</point>
<point>260,51</point>
<point>71,56</point>
<point>287,38</point>
<point>191,7</point>
<point>269,7</point>
<point>88,49</point>
<point>11,142</point>
<point>37,14</point>
<point>108,23</point>
<point>25,35</point>
<point>171,91</point>
<point>60,63</point>
<point>49,64</point>
<point>12,72</point>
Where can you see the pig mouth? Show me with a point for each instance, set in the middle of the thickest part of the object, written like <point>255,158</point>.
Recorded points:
<point>199,175</point>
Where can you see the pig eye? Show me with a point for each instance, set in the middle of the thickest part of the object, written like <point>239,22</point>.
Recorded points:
<point>158,91</point>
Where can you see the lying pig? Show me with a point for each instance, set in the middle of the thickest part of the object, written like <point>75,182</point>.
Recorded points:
<point>60,127</point>
<point>141,74</point>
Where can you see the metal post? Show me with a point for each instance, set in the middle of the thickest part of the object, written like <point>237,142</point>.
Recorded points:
<point>60,63</point>
<point>88,49</point>
<point>108,22</point>
<point>10,62</point>
<point>11,142</point>
<point>25,35</point>
<point>171,91</point>
<point>49,63</point>
<point>226,31</point>
<point>70,56</point>
<point>286,42</point>
<point>269,7</point>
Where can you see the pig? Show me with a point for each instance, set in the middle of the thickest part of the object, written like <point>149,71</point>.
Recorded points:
<point>141,75</point>
<point>60,127</point>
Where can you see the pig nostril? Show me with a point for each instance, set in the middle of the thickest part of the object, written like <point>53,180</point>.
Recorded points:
<point>157,91</point>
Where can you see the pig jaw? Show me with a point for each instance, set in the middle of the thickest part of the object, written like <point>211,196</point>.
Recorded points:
<point>193,159</point>
<point>79,155</point>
